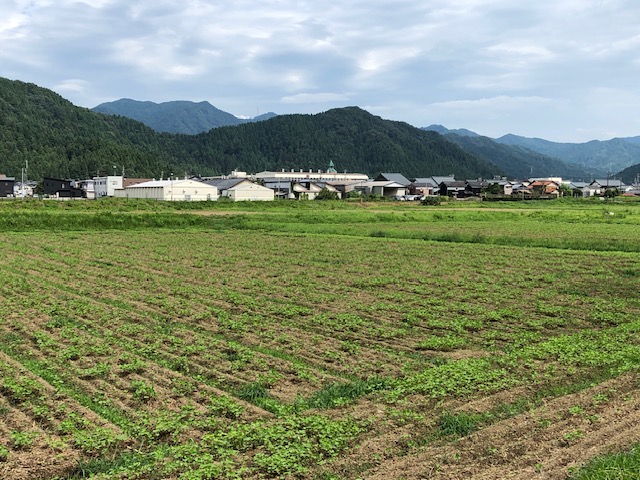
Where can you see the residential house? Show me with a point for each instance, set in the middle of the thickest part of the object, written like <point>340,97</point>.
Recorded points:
<point>87,187</point>
<point>7,185</point>
<point>310,190</point>
<point>423,186</point>
<point>500,186</point>
<point>393,177</point>
<point>383,188</point>
<point>281,188</point>
<point>344,188</point>
<point>601,185</point>
<point>452,189</point>
<point>582,189</point>
<point>545,188</point>
<point>474,188</point>
<point>55,187</point>
<point>437,180</point>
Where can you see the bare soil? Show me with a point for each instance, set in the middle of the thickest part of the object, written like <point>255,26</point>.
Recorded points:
<point>545,443</point>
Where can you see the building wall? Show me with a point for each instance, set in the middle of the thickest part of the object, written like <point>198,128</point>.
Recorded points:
<point>176,191</point>
<point>106,186</point>
<point>314,176</point>
<point>6,187</point>
<point>250,192</point>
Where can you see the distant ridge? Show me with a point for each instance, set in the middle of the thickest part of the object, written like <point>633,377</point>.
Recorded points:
<point>515,161</point>
<point>598,157</point>
<point>178,116</point>
<point>463,132</point>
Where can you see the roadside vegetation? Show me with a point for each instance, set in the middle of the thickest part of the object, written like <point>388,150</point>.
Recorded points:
<point>318,340</point>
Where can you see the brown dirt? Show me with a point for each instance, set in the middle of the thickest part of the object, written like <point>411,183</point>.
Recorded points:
<point>541,444</point>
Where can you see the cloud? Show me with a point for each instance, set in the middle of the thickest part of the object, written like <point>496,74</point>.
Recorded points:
<point>407,59</point>
<point>315,98</point>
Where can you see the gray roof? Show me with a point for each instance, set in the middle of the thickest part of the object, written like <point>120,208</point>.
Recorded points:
<point>279,185</point>
<point>394,177</point>
<point>225,183</point>
<point>439,180</point>
<point>424,182</point>
<point>610,182</point>
<point>454,184</point>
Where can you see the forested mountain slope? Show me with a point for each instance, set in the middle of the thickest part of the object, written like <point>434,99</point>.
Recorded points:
<point>62,140</point>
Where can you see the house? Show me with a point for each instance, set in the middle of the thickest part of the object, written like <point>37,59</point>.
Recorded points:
<point>475,187</point>
<point>452,189</point>
<point>393,177</point>
<point>7,185</point>
<point>545,188</point>
<point>602,185</point>
<point>310,190</point>
<point>438,180</point>
<point>383,188</point>
<point>87,187</point>
<point>500,186</point>
<point>344,188</point>
<point>423,186</point>
<point>522,190</point>
<point>24,189</point>
<point>241,189</point>
<point>170,190</point>
<point>55,187</point>
<point>582,189</point>
<point>281,188</point>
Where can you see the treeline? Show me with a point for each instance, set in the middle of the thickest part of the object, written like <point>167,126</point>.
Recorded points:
<point>62,140</point>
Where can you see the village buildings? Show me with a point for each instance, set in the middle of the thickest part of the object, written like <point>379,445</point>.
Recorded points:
<point>310,184</point>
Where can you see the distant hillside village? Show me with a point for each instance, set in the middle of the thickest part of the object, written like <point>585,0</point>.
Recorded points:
<point>311,185</point>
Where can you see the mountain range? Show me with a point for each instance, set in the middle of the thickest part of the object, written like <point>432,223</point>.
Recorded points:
<point>59,139</point>
<point>177,116</point>
<point>597,158</point>
<point>516,161</point>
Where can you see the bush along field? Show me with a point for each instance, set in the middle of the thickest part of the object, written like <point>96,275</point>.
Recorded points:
<point>319,340</point>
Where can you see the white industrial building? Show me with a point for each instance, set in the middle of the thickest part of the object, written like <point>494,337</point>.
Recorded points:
<point>170,190</point>
<point>249,191</point>
<point>106,186</point>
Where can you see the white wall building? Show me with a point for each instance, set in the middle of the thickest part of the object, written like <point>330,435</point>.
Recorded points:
<point>106,186</point>
<point>249,191</point>
<point>171,190</point>
<point>318,176</point>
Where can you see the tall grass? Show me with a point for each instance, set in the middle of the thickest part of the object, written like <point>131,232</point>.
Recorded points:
<point>615,466</point>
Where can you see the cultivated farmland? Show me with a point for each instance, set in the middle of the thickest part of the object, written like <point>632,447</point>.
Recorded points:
<point>317,340</point>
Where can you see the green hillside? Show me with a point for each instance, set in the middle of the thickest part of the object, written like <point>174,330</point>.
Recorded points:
<point>630,175</point>
<point>59,139</point>
<point>353,138</point>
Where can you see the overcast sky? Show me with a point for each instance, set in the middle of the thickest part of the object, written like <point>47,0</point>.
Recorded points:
<point>564,70</point>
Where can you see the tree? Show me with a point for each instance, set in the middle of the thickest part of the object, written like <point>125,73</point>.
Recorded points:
<point>326,194</point>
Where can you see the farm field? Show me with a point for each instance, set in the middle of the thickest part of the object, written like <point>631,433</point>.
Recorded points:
<point>317,341</point>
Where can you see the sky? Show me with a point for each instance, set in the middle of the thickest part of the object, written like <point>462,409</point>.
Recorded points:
<point>563,70</point>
